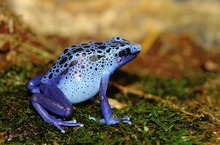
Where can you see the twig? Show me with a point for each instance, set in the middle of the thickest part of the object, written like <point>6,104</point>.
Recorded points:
<point>212,116</point>
<point>140,93</point>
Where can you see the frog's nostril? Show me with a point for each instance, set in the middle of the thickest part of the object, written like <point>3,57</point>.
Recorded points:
<point>138,47</point>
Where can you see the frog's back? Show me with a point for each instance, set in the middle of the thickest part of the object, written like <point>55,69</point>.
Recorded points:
<point>78,70</point>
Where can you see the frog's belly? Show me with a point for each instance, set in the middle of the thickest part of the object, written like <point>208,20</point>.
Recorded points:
<point>79,92</point>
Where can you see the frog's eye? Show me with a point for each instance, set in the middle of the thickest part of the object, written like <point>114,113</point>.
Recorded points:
<point>118,39</point>
<point>125,52</point>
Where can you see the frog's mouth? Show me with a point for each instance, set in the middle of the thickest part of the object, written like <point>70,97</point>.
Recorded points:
<point>136,53</point>
<point>124,59</point>
<point>126,55</point>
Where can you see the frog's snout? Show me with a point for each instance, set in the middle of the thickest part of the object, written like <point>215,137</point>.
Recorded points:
<point>136,49</point>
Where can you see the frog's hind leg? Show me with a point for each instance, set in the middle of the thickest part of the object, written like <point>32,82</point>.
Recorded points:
<point>53,100</point>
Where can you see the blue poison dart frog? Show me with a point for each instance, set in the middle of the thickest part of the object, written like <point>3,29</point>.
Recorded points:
<point>80,72</point>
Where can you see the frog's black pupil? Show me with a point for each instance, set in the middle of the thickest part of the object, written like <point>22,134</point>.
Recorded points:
<point>125,52</point>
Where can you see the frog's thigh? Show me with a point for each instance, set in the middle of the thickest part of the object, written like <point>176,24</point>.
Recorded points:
<point>53,100</point>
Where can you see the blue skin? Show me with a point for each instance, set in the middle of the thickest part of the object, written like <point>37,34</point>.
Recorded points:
<point>78,75</point>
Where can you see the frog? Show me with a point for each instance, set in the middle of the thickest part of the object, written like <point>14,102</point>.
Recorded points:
<point>82,71</point>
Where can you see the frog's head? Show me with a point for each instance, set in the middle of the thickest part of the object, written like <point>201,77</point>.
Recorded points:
<point>124,51</point>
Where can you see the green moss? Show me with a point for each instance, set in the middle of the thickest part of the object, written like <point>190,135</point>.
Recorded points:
<point>170,86</point>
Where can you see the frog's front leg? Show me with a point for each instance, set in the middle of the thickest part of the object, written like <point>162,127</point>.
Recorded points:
<point>105,107</point>
<point>55,101</point>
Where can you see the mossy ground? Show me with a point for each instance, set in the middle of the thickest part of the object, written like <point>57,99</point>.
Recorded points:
<point>153,122</point>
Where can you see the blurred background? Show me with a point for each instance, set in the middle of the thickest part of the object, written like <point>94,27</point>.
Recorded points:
<point>175,35</point>
<point>134,20</point>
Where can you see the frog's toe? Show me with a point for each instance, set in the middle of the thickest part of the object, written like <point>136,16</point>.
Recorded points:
<point>112,121</point>
<point>70,121</point>
<point>126,119</point>
<point>58,123</point>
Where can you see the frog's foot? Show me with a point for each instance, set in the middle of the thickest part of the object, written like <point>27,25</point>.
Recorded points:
<point>112,121</point>
<point>58,123</point>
